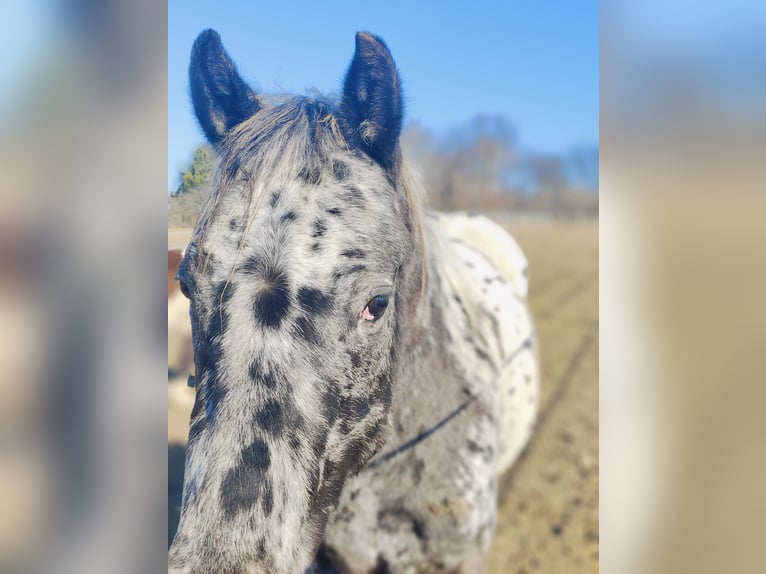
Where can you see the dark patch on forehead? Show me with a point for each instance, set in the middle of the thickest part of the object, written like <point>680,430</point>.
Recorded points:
<point>235,225</point>
<point>305,329</point>
<point>252,265</point>
<point>288,217</point>
<point>340,273</point>
<point>275,198</point>
<point>339,170</point>
<point>315,247</point>
<point>248,481</point>
<point>272,302</point>
<point>318,228</point>
<point>354,196</point>
<point>310,174</point>
<point>313,300</point>
<point>334,211</point>
<point>354,253</point>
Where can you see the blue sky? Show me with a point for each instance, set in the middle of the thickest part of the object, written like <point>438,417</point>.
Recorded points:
<point>536,62</point>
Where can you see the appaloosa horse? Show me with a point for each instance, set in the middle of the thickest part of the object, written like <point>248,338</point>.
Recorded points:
<point>364,370</point>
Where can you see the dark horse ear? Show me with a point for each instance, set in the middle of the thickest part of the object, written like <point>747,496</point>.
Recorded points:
<point>221,98</point>
<point>371,108</point>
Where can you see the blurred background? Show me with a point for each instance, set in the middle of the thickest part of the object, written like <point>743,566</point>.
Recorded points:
<point>83,147</point>
<point>683,134</point>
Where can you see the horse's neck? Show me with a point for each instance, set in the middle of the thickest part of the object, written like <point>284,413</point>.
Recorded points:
<point>427,388</point>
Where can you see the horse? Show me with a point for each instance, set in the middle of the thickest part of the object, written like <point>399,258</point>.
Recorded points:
<point>364,368</point>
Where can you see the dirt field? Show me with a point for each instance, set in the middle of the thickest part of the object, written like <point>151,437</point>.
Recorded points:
<point>548,520</point>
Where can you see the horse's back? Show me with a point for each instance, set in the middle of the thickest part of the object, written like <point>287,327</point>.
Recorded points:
<point>493,273</point>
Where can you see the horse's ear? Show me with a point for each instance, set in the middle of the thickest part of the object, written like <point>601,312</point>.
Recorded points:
<point>220,96</point>
<point>371,108</point>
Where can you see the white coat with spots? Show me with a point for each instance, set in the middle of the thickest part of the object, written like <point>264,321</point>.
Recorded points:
<point>364,370</point>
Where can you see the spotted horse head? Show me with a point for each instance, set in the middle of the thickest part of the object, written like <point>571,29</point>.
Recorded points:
<point>302,274</point>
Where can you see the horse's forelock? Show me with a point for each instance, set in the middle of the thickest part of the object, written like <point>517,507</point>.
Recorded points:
<point>287,135</point>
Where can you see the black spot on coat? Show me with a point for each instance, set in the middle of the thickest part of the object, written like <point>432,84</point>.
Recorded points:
<point>313,300</point>
<point>354,196</point>
<point>311,175</point>
<point>272,303</point>
<point>248,481</point>
<point>354,254</point>
<point>339,170</point>
<point>270,417</point>
<point>258,375</point>
<point>252,266</point>
<point>319,228</point>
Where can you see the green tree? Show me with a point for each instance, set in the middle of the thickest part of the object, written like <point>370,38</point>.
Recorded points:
<point>198,175</point>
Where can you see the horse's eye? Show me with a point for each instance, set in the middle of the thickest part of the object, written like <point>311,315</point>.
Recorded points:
<point>184,289</point>
<point>375,308</point>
